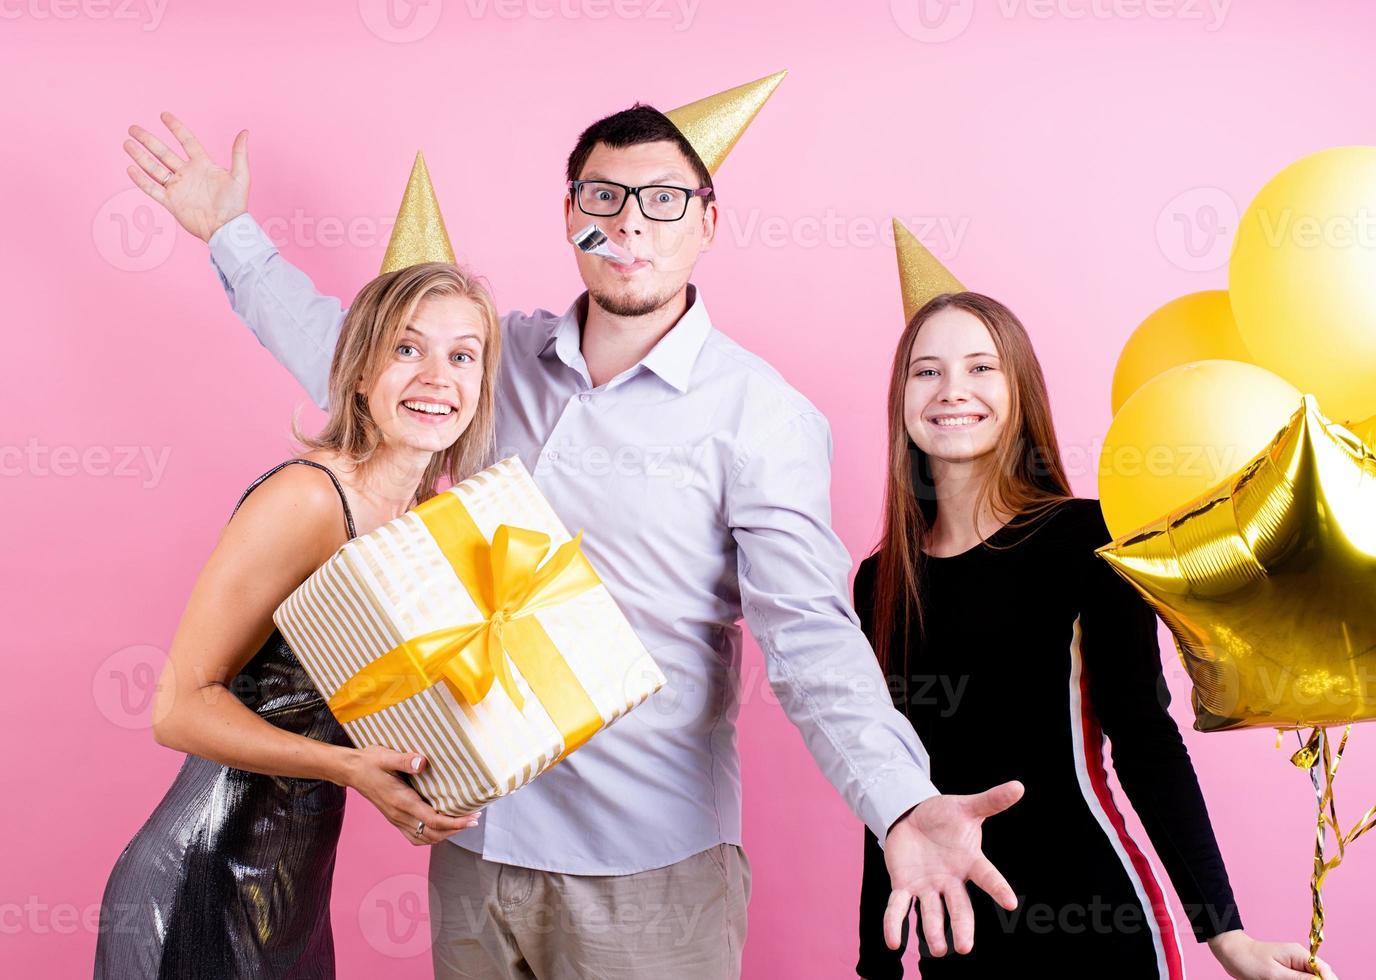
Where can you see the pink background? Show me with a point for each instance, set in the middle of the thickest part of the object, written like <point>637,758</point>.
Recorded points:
<point>1083,161</point>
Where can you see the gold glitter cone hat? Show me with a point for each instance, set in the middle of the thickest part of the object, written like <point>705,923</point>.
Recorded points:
<point>919,272</point>
<point>419,234</point>
<point>714,124</point>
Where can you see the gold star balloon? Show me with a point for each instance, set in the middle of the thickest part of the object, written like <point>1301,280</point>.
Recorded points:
<point>419,234</point>
<point>1268,582</point>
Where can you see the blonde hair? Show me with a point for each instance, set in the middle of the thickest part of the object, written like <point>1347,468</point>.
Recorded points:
<point>371,331</point>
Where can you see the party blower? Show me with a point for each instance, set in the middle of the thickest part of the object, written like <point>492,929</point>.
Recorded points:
<point>595,242</point>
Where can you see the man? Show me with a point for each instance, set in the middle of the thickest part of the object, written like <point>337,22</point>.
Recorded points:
<point>703,478</point>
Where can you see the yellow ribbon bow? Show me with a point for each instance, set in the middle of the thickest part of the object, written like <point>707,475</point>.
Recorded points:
<point>508,584</point>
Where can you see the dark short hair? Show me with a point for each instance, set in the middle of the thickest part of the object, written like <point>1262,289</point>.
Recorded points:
<point>639,124</point>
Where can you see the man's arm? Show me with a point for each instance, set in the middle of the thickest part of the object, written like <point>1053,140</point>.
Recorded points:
<point>290,317</point>
<point>792,571</point>
<point>279,303</point>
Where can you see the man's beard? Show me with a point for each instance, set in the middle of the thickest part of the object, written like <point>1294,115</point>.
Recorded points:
<point>631,306</point>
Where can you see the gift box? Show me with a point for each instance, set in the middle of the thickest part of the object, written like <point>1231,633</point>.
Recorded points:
<point>474,630</point>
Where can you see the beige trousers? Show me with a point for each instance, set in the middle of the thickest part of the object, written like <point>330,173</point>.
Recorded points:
<point>491,921</point>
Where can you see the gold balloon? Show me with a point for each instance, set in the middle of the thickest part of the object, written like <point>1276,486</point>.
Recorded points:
<point>1184,431</point>
<point>1194,327</point>
<point>1365,431</point>
<point>1268,582</point>
<point>1302,278</point>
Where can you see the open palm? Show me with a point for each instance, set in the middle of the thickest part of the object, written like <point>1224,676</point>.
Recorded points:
<point>931,853</point>
<point>199,193</point>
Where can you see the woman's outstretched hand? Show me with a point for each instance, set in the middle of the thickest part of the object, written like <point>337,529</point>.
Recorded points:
<point>931,852</point>
<point>197,191</point>
<point>1247,959</point>
<point>373,772</point>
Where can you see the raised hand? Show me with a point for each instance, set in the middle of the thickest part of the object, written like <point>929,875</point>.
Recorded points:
<point>197,191</point>
<point>931,852</point>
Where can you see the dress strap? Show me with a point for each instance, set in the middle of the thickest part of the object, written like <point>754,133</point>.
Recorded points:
<point>348,515</point>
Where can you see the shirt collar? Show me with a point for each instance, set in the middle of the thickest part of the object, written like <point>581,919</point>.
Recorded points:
<point>672,359</point>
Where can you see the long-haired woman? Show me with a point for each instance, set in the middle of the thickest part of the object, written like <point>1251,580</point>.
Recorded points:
<point>1014,651</point>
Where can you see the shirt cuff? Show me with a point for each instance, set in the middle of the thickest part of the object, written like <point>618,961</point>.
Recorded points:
<point>236,243</point>
<point>894,794</point>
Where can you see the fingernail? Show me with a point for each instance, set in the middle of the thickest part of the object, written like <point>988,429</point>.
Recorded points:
<point>415,763</point>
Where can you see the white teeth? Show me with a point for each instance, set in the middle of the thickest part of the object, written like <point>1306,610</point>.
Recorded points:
<point>430,408</point>
<point>957,420</point>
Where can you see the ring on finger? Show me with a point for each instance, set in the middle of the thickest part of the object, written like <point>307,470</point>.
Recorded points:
<point>420,828</point>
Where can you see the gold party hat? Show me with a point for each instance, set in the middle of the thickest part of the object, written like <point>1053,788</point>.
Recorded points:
<point>919,272</point>
<point>714,124</point>
<point>419,235</point>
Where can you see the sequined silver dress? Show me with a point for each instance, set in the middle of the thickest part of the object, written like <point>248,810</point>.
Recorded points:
<point>230,877</point>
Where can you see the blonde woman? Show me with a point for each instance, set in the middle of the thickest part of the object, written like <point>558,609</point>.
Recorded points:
<point>231,874</point>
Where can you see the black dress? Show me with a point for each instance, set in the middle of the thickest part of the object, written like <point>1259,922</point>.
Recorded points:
<point>230,876</point>
<point>1029,657</point>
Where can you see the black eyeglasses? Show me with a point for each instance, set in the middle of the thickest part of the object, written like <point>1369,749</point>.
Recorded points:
<point>606,198</point>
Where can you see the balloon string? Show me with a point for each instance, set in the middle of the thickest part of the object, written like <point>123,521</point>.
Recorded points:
<point>1315,749</point>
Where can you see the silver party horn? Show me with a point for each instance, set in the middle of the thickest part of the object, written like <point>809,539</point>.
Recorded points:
<point>595,242</point>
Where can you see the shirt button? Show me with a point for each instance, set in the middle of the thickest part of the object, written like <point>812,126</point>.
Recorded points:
<point>553,454</point>
<point>585,398</point>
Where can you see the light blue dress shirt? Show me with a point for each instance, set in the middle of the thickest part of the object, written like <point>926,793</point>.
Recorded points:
<point>703,481</point>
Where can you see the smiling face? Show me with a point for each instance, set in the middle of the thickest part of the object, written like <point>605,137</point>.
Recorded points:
<point>665,251</point>
<point>956,398</point>
<point>429,389</point>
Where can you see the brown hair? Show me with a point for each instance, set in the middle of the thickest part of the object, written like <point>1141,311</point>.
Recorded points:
<point>640,123</point>
<point>1028,477</point>
<point>371,331</point>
